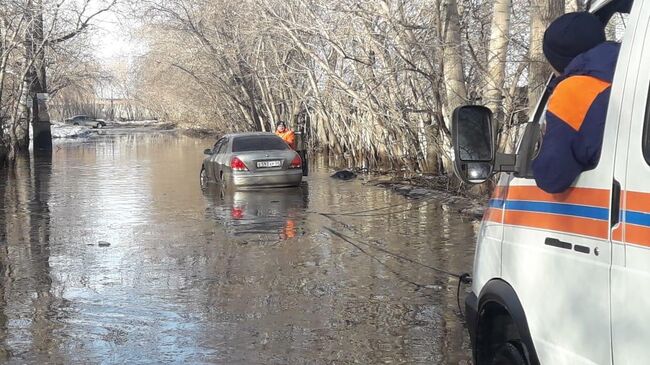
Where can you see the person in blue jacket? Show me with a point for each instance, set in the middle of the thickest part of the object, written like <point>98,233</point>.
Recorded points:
<point>575,45</point>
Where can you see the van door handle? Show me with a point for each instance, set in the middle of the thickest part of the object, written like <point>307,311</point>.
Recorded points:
<point>557,243</point>
<point>566,245</point>
<point>615,216</point>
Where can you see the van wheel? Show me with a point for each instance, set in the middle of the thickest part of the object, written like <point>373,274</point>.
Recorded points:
<point>508,354</point>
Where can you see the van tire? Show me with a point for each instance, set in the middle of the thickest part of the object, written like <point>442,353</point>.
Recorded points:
<point>508,354</point>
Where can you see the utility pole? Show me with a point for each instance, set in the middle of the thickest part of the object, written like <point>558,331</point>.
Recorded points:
<point>42,133</point>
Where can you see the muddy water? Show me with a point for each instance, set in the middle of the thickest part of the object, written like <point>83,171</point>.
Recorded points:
<point>111,253</point>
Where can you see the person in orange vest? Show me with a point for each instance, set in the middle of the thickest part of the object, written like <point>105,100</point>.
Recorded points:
<point>286,134</point>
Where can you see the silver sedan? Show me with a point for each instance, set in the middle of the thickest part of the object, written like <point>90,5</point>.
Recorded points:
<point>251,160</point>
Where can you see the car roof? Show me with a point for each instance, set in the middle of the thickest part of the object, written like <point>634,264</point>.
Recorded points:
<point>249,134</point>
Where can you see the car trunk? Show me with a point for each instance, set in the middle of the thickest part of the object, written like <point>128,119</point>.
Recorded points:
<point>266,161</point>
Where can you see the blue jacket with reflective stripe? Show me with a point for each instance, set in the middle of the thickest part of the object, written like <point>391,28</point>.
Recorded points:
<point>575,119</point>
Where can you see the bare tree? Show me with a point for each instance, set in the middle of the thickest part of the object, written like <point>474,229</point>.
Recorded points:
<point>542,13</point>
<point>33,35</point>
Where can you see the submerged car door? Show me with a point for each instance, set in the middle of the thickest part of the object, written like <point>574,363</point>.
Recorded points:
<point>557,254</point>
<point>631,237</point>
<point>221,158</point>
<point>215,158</point>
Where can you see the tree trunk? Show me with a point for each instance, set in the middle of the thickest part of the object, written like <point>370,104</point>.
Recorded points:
<point>453,60</point>
<point>573,5</point>
<point>542,13</point>
<point>454,76</point>
<point>497,55</point>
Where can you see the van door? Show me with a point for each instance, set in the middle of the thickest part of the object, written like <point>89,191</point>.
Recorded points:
<point>556,256</point>
<point>557,252</point>
<point>631,237</point>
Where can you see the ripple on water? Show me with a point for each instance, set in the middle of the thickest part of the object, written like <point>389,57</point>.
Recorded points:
<point>217,276</point>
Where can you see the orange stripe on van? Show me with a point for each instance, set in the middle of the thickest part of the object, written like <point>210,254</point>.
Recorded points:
<point>580,196</point>
<point>573,97</point>
<point>560,223</point>
<point>499,192</point>
<point>617,234</point>
<point>638,202</point>
<point>637,235</point>
<point>493,215</point>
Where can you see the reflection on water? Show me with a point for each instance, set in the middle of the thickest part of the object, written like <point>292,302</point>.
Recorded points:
<point>268,215</point>
<point>216,276</point>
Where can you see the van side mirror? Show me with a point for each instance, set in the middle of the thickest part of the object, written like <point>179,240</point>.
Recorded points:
<point>207,151</point>
<point>472,135</point>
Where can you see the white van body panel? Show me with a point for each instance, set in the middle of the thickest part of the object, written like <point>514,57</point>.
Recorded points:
<point>487,259</point>
<point>552,283</point>
<point>584,286</point>
<point>631,274</point>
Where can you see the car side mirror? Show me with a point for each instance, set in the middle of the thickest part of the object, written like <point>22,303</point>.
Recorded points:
<point>473,139</point>
<point>207,151</point>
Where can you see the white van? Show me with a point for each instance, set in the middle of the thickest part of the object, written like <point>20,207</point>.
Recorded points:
<point>565,278</point>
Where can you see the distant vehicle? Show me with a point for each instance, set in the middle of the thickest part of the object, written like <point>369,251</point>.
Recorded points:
<point>87,121</point>
<point>249,160</point>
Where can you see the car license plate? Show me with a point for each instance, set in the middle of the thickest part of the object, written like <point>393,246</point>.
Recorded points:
<point>263,164</point>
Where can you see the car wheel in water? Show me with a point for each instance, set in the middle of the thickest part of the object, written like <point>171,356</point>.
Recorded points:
<point>508,354</point>
<point>224,181</point>
<point>75,123</point>
<point>203,178</point>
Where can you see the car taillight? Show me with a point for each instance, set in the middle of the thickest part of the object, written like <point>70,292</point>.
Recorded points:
<point>296,163</point>
<point>237,165</point>
<point>237,213</point>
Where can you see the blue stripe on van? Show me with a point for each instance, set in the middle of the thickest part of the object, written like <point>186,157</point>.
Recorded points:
<point>559,208</point>
<point>637,218</point>
<point>496,203</point>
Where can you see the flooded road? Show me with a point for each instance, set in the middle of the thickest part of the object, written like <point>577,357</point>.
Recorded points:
<point>111,253</point>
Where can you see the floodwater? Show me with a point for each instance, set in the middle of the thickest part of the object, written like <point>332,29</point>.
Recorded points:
<point>111,253</point>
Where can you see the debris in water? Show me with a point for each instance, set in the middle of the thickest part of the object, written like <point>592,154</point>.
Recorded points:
<point>344,175</point>
<point>103,244</point>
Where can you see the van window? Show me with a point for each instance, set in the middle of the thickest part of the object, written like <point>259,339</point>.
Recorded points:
<point>646,132</point>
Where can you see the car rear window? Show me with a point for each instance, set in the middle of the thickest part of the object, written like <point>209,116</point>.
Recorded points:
<point>258,143</point>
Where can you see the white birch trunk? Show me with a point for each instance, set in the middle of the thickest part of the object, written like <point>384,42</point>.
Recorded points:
<point>542,13</point>
<point>497,56</point>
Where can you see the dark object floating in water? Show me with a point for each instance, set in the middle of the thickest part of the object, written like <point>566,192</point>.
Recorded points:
<point>344,175</point>
<point>103,244</point>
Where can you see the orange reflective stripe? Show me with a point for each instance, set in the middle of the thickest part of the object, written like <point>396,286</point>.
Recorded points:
<point>637,201</point>
<point>493,215</point>
<point>581,196</point>
<point>560,223</point>
<point>637,235</point>
<point>573,97</point>
<point>617,233</point>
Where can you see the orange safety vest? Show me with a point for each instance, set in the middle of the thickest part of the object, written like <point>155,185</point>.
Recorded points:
<point>288,136</point>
